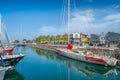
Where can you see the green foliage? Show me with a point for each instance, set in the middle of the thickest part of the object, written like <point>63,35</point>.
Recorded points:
<point>51,38</point>
<point>16,41</point>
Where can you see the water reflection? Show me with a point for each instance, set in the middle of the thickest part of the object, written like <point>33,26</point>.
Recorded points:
<point>19,49</point>
<point>48,54</point>
<point>87,69</point>
<point>13,75</point>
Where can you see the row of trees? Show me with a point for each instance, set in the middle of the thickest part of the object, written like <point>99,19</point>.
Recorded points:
<point>23,41</point>
<point>52,38</point>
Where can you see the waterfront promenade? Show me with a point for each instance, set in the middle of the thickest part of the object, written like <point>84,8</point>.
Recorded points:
<point>113,51</point>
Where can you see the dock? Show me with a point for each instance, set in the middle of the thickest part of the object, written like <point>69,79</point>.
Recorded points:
<point>109,51</point>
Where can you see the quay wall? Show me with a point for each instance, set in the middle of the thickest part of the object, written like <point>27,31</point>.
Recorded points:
<point>112,51</point>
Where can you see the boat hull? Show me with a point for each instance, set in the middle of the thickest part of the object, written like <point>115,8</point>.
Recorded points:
<point>2,73</point>
<point>11,60</point>
<point>9,50</point>
<point>83,58</point>
<point>86,68</point>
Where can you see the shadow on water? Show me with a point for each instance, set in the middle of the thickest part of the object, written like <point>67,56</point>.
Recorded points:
<point>13,75</point>
<point>87,69</point>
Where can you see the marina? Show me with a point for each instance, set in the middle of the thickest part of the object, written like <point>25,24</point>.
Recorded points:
<point>60,40</point>
<point>7,59</point>
<point>40,62</point>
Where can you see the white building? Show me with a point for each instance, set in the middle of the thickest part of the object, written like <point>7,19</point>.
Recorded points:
<point>76,38</point>
<point>102,38</point>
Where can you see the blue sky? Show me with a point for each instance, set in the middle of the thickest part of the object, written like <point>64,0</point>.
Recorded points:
<point>47,17</point>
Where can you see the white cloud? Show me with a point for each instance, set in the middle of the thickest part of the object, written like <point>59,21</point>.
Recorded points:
<point>50,30</point>
<point>86,16</point>
<point>46,30</point>
<point>112,17</point>
<point>85,21</point>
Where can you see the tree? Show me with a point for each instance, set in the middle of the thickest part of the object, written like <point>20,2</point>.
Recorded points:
<point>16,41</point>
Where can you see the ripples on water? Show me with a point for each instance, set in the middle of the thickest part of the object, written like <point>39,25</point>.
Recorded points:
<point>47,65</point>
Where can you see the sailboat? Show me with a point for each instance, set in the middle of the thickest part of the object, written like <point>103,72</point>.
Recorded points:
<point>2,72</point>
<point>85,56</point>
<point>4,38</point>
<point>86,68</point>
<point>21,43</point>
<point>3,69</point>
<point>9,60</point>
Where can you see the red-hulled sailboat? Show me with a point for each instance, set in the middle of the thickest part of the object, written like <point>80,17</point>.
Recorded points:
<point>85,56</point>
<point>8,50</point>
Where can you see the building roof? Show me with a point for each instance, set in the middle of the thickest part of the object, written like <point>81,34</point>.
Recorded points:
<point>94,37</point>
<point>112,36</point>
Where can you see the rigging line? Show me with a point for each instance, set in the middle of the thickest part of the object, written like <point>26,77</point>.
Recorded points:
<point>64,12</point>
<point>2,47</point>
<point>6,33</point>
<point>65,18</point>
<point>61,18</point>
<point>75,5</point>
<point>84,25</point>
<point>21,35</point>
<point>87,26</point>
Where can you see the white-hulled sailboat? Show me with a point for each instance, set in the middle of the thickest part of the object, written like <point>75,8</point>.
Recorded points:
<point>9,60</point>
<point>2,72</point>
<point>85,56</point>
<point>3,69</point>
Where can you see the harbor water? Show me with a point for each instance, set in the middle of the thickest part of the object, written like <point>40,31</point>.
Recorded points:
<point>47,65</point>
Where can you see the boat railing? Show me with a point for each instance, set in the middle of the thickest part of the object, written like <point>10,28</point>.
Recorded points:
<point>12,56</point>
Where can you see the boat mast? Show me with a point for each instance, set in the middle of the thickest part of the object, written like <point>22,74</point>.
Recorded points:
<point>1,37</point>
<point>21,34</point>
<point>68,21</point>
<point>0,26</point>
<point>0,40</point>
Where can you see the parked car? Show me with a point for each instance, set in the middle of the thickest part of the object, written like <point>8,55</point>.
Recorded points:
<point>98,44</point>
<point>81,44</point>
<point>91,44</point>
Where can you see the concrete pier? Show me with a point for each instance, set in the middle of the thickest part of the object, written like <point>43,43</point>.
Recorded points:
<point>108,51</point>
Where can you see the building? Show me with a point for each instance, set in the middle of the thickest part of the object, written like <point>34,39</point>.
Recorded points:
<point>94,38</point>
<point>102,38</point>
<point>112,39</point>
<point>76,38</point>
<point>84,38</point>
<point>79,38</point>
